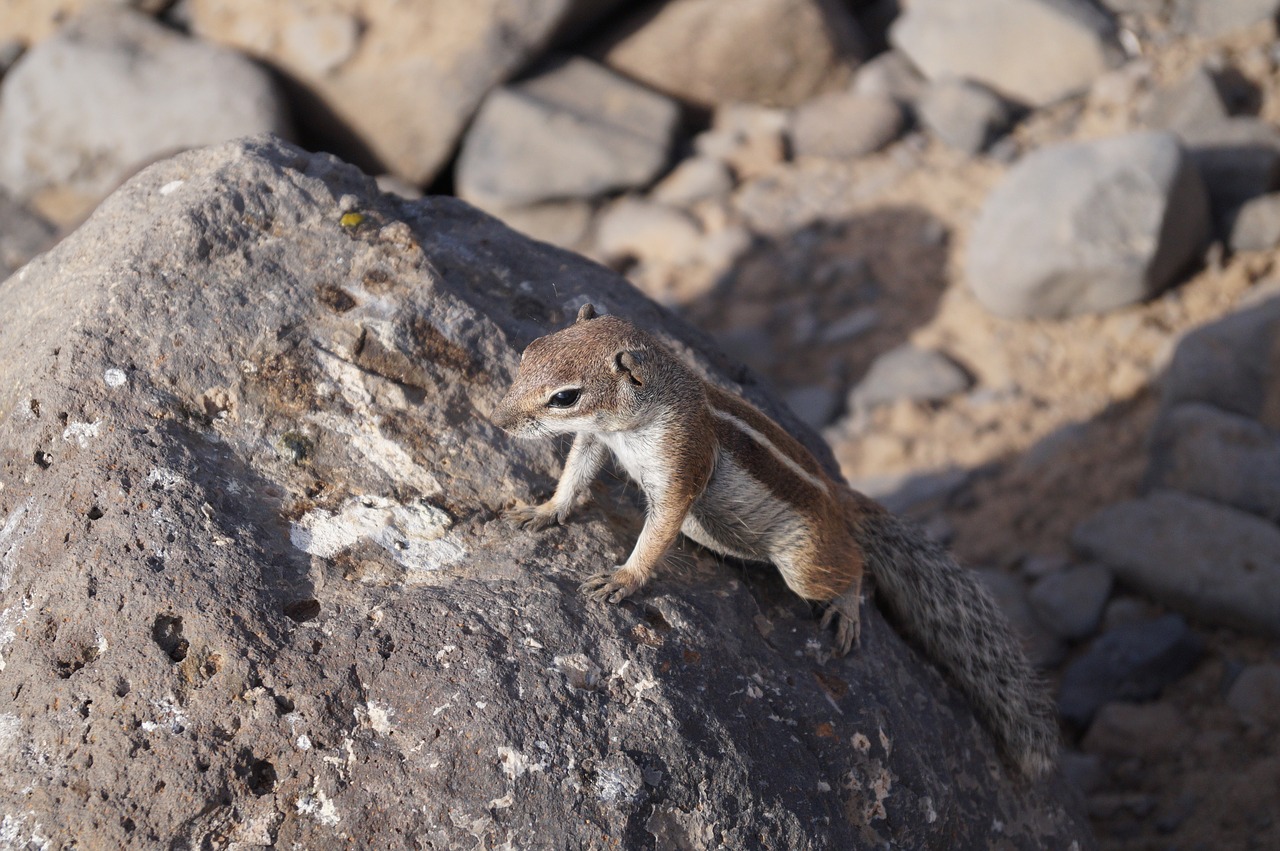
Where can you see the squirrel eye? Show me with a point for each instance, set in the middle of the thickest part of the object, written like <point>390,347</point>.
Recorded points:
<point>564,398</point>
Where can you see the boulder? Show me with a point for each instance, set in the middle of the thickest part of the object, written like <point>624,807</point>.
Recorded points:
<point>1217,455</point>
<point>1232,364</point>
<point>963,114</point>
<point>1257,224</point>
<point>1070,601</point>
<point>632,228</point>
<point>1002,44</point>
<point>891,73</point>
<point>255,588</point>
<point>573,130</point>
<point>709,53</point>
<point>845,125</point>
<point>1208,560</point>
<point>1133,661</point>
<point>909,372</point>
<point>112,92</point>
<point>1088,226</point>
<point>393,84</point>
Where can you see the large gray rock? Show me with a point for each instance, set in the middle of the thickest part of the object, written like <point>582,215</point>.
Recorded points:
<point>1070,602</point>
<point>394,83</point>
<point>254,587</point>
<point>1002,43</point>
<point>1224,457</point>
<point>710,53</point>
<point>110,93</point>
<point>1088,226</point>
<point>575,130</point>
<point>1213,562</point>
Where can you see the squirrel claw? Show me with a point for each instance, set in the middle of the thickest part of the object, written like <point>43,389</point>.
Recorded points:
<point>535,517</point>
<point>610,586</point>
<point>848,619</point>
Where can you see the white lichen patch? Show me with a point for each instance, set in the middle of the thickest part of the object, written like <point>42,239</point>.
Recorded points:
<point>82,433</point>
<point>513,763</point>
<point>114,377</point>
<point>171,187</point>
<point>318,806</point>
<point>164,478</point>
<point>415,535</point>
<point>18,526</point>
<point>10,730</point>
<point>170,716</point>
<point>10,619</point>
<point>14,833</point>
<point>362,428</point>
<point>376,716</point>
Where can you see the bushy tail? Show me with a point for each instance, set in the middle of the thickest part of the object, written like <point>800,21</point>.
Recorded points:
<point>945,610</point>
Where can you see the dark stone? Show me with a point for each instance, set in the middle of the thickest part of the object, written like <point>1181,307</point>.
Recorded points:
<point>1130,662</point>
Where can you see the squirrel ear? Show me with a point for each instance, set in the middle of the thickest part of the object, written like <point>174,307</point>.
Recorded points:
<point>587,311</point>
<point>631,365</point>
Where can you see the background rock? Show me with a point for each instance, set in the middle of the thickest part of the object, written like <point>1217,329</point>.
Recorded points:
<point>964,115</point>
<point>409,76</point>
<point>908,372</point>
<point>1232,364</point>
<point>844,125</point>
<point>1000,43</point>
<point>1070,602</point>
<point>252,563</point>
<point>1257,224</point>
<point>1208,560</point>
<point>1220,456</point>
<point>1212,18</point>
<point>1255,695</point>
<point>110,93</point>
<point>23,235</point>
<point>1088,226</point>
<point>574,130</point>
<point>1133,661</point>
<point>708,53</point>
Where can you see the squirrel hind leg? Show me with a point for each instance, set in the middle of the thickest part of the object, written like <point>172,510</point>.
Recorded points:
<point>846,612</point>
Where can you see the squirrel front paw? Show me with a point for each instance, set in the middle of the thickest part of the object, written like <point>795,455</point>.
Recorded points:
<point>536,517</point>
<point>845,610</point>
<point>612,586</point>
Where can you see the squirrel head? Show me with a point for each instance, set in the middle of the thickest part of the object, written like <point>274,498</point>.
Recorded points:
<point>591,376</point>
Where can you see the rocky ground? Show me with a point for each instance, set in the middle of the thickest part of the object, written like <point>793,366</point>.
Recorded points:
<point>1029,295</point>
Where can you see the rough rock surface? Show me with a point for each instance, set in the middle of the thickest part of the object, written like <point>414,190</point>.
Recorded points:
<point>110,93</point>
<point>254,587</point>
<point>575,130</point>
<point>1208,560</point>
<point>1002,43</point>
<point>770,52</point>
<point>394,82</point>
<point>1088,226</point>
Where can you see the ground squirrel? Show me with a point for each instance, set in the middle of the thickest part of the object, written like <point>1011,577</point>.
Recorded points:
<point>718,470</point>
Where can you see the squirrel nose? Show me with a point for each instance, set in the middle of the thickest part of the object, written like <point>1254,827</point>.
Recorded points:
<point>504,417</point>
